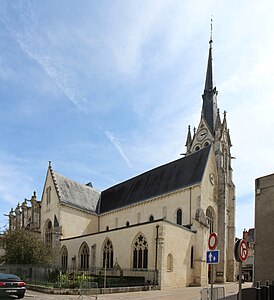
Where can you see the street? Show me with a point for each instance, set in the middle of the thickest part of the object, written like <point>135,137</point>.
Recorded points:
<point>187,293</point>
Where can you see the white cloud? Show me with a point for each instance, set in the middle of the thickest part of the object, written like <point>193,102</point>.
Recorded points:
<point>118,147</point>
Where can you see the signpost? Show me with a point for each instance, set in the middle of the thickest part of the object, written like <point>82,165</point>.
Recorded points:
<point>241,254</point>
<point>212,256</point>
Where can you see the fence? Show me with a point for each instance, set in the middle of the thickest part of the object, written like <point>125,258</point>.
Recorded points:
<point>74,278</point>
<point>218,293</point>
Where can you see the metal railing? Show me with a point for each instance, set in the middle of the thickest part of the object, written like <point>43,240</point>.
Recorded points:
<point>218,293</point>
<point>75,278</point>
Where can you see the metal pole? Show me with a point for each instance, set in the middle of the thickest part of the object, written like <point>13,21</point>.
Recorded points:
<point>240,281</point>
<point>211,282</point>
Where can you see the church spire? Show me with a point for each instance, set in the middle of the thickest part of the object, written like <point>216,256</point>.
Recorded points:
<point>209,109</point>
<point>209,85</point>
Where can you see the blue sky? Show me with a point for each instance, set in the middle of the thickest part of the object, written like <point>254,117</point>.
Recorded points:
<point>106,89</point>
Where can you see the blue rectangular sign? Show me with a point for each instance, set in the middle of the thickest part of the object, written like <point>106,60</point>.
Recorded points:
<point>212,257</point>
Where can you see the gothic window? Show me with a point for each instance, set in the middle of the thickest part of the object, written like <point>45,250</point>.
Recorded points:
<point>209,217</point>
<point>140,253</point>
<point>48,192</point>
<point>151,218</point>
<point>108,254</point>
<point>179,217</point>
<point>64,258</point>
<point>164,212</point>
<point>138,217</point>
<point>169,262</point>
<point>107,228</point>
<point>48,232</point>
<point>192,258</point>
<point>84,256</point>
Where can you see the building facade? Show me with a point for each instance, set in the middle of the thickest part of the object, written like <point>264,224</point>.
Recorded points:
<point>159,220</point>
<point>264,236</point>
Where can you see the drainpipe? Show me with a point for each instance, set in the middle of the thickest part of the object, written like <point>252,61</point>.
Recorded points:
<point>156,256</point>
<point>190,200</point>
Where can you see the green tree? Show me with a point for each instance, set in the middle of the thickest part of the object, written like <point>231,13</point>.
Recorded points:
<point>24,247</point>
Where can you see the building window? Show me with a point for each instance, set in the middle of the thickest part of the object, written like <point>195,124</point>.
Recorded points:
<point>108,254</point>
<point>64,258</point>
<point>138,217</point>
<point>206,144</point>
<point>151,218</point>
<point>140,253</point>
<point>48,232</point>
<point>107,228</point>
<point>116,222</point>
<point>179,217</point>
<point>48,192</point>
<point>209,217</point>
<point>127,224</point>
<point>84,256</point>
<point>169,264</point>
<point>197,148</point>
<point>192,258</point>
<point>164,212</point>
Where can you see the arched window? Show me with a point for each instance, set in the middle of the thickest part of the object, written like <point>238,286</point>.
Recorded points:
<point>179,219</point>
<point>169,263</point>
<point>151,218</point>
<point>192,258</point>
<point>48,232</point>
<point>127,224</point>
<point>107,228</point>
<point>84,256</point>
<point>210,220</point>
<point>140,252</point>
<point>64,258</point>
<point>108,254</point>
<point>197,148</point>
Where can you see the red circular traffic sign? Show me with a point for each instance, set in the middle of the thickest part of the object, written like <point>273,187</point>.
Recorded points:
<point>243,250</point>
<point>212,241</point>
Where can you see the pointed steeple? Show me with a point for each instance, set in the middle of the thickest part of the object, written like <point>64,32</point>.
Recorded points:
<point>209,109</point>
<point>209,85</point>
<point>188,140</point>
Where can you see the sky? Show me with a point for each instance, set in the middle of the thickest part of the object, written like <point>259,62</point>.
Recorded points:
<point>105,90</point>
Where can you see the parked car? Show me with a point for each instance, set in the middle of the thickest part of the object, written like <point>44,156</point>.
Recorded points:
<point>12,285</point>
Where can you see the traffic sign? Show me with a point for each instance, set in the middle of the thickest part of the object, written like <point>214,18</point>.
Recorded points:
<point>243,250</point>
<point>240,250</point>
<point>212,257</point>
<point>212,241</point>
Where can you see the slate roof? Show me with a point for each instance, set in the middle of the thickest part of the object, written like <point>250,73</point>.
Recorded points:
<point>75,194</point>
<point>161,180</point>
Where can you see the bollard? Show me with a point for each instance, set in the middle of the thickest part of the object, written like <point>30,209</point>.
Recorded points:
<point>267,290</point>
<point>258,291</point>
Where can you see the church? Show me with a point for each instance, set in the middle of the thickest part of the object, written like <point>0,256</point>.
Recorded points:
<point>159,220</point>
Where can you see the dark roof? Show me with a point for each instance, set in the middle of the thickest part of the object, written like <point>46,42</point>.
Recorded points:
<point>161,180</point>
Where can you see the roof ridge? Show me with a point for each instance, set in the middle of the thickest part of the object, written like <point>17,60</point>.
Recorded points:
<point>166,164</point>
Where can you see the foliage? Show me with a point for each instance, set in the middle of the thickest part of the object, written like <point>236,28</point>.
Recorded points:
<point>73,281</point>
<point>24,247</point>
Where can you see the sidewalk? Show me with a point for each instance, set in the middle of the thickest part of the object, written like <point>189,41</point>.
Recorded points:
<point>186,293</point>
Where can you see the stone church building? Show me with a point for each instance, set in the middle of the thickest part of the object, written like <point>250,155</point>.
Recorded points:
<point>159,220</point>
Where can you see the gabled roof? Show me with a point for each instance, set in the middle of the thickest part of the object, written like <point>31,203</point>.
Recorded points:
<point>159,181</point>
<point>75,194</point>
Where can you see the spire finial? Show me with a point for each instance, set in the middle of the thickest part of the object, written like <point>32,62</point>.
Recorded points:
<point>211,29</point>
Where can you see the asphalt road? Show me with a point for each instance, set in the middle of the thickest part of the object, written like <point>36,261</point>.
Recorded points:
<point>188,293</point>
